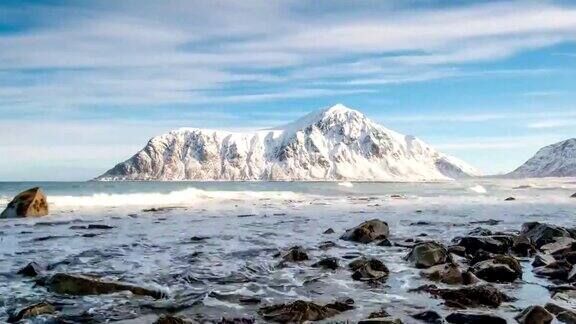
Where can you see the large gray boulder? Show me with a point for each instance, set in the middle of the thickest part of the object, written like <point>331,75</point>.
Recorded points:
<point>500,268</point>
<point>428,254</point>
<point>541,233</point>
<point>29,203</point>
<point>367,232</point>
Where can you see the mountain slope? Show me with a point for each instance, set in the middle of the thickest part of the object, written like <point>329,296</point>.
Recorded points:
<point>336,143</point>
<point>556,160</point>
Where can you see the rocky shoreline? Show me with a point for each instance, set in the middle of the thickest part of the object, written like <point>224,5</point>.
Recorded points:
<point>471,272</point>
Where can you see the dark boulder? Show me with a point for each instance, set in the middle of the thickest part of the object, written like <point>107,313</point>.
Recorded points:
<point>491,244</point>
<point>72,284</point>
<point>562,313</point>
<point>295,254</point>
<point>29,203</point>
<point>327,263</point>
<point>501,268</point>
<point>381,320</point>
<point>522,246</point>
<point>329,231</point>
<point>474,318</point>
<point>32,269</point>
<point>428,317</point>
<point>480,231</point>
<point>32,311</point>
<point>367,232</point>
<point>368,270</point>
<point>450,274</point>
<point>543,260</point>
<point>510,199</point>
<point>534,315</point>
<point>541,233</point>
<point>427,254</point>
<point>301,311</point>
<point>469,297</point>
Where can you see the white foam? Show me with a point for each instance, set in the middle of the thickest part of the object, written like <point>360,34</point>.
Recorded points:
<point>478,189</point>
<point>189,196</point>
<point>346,184</point>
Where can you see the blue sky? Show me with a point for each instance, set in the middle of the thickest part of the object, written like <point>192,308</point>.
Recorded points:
<point>84,84</point>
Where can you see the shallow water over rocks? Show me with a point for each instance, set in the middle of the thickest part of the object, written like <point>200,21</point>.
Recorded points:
<point>210,260</point>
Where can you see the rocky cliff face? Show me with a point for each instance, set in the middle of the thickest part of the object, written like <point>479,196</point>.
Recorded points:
<point>556,160</point>
<point>336,143</point>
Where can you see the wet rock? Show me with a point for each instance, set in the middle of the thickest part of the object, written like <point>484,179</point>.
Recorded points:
<point>368,270</point>
<point>199,238</point>
<point>329,231</point>
<point>32,269</point>
<point>295,254</point>
<point>427,254</point>
<point>367,232</point>
<point>237,320</point>
<point>301,311</point>
<point>558,270</point>
<point>501,268</point>
<point>381,320</point>
<point>466,297</point>
<point>380,313</point>
<point>330,263</point>
<point>170,319</point>
<point>474,318</point>
<point>491,244</point>
<point>72,284</point>
<point>560,245</point>
<point>420,223</point>
<point>573,195</point>
<point>326,245</point>
<point>457,249</point>
<point>92,227</point>
<point>32,311</point>
<point>522,246</point>
<point>384,242</point>
<point>543,260</point>
<point>29,203</point>
<point>480,231</point>
<point>562,313</point>
<point>428,317</point>
<point>449,273</point>
<point>510,199</point>
<point>541,233</point>
<point>534,315</point>
<point>490,221</point>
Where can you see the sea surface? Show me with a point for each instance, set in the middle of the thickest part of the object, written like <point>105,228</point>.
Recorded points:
<point>210,245</point>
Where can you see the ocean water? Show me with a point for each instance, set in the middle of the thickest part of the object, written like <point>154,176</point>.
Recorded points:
<point>240,226</point>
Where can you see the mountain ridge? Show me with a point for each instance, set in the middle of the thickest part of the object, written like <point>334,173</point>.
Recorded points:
<point>332,144</point>
<point>554,160</point>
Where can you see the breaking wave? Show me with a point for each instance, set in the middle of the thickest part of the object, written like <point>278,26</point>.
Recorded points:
<point>189,196</point>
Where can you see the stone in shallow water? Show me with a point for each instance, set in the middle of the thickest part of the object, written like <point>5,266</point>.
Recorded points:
<point>541,233</point>
<point>32,269</point>
<point>295,254</point>
<point>500,268</point>
<point>474,318</point>
<point>329,231</point>
<point>29,203</point>
<point>368,270</point>
<point>367,232</point>
<point>301,311</point>
<point>72,284</point>
<point>32,311</point>
<point>510,199</point>
<point>469,297</point>
<point>491,244</point>
<point>449,273</point>
<point>534,315</point>
<point>381,320</point>
<point>427,254</point>
<point>428,317</point>
<point>327,263</point>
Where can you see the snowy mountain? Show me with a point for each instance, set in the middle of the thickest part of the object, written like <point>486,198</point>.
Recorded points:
<point>556,160</point>
<point>336,143</point>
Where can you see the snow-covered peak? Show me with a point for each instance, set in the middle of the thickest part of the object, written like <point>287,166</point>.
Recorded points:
<point>334,143</point>
<point>556,160</point>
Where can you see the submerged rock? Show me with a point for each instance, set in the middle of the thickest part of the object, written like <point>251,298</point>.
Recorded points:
<point>327,263</point>
<point>474,318</point>
<point>329,231</point>
<point>427,254</point>
<point>301,311</point>
<point>522,246</point>
<point>534,315</point>
<point>368,270</point>
<point>32,269</point>
<point>543,260</point>
<point>541,233</point>
<point>563,314</point>
<point>381,320</point>
<point>428,317</point>
<point>474,296</point>
<point>32,311</point>
<point>449,273</point>
<point>29,203</point>
<point>295,254</point>
<point>72,284</point>
<point>367,232</point>
<point>501,268</point>
<point>170,319</point>
<point>510,199</point>
<point>492,244</point>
